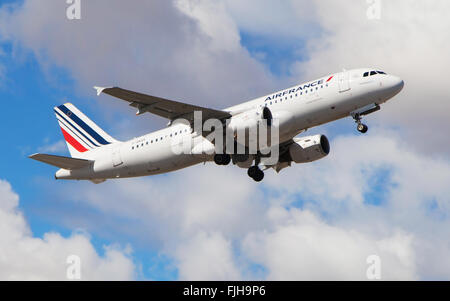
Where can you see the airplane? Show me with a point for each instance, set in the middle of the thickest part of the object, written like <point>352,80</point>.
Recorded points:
<point>96,156</point>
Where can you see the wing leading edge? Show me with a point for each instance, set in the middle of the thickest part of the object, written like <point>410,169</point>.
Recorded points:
<point>162,107</point>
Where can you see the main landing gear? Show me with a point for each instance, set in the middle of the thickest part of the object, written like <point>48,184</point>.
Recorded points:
<point>222,159</point>
<point>255,173</point>
<point>361,127</point>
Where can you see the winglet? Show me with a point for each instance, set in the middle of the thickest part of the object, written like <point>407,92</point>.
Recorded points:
<point>100,90</point>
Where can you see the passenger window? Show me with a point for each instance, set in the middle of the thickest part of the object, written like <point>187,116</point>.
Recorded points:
<point>373,73</point>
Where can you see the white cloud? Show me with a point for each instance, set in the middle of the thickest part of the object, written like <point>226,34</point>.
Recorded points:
<point>56,147</point>
<point>196,212</point>
<point>406,41</point>
<point>188,51</point>
<point>206,256</point>
<point>303,247</point>
<point>203,208</point>
<point>25,257</point>
<point>214,22</point>
<point>291,19</point>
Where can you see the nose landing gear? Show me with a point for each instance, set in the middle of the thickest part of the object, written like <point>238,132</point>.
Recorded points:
<point>361,127</point>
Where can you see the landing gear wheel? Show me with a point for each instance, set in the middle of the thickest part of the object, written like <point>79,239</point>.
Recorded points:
<point>259,176</point>
<point>226,159</point>
<point>255,173</point>
<point>252,171</point>
<point>362,128</point>
<point>222,159</point>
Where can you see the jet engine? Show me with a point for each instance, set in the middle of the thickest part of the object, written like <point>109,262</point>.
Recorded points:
<point>308,149</point>
<point>246,126</point>
<point>250,119</point>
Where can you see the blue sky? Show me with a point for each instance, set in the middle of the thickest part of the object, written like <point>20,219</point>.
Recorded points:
<point>42,71</point>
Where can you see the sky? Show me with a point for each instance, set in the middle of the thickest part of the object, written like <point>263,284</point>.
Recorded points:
<point>384,193</point>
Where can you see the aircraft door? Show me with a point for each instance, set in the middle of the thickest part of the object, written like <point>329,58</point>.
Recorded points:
<point>344,81</point>
<point>116,157</point>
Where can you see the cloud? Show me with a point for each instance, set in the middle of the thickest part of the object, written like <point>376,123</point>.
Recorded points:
<point>168,48</point>
<point>372,195</point>
<point>207,256</point>
<point>56,147</point>
<point>25,257</point>
<point>406,41</point>
<point>303,247</point>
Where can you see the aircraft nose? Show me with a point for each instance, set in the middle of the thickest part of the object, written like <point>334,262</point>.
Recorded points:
<point>394,84</point>
<point>398,83</point>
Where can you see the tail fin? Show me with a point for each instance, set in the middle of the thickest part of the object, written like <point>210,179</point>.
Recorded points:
<point>80,133</point>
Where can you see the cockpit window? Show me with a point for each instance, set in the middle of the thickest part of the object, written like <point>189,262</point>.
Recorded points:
<point>366,74</point>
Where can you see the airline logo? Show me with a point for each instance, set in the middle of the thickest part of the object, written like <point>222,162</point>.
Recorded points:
<point>298,89</point>
<point>78,130</point>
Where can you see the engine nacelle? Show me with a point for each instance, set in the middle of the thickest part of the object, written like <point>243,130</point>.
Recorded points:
<point>308,149</point>
<point>247,126</point>
<point>250,119</point>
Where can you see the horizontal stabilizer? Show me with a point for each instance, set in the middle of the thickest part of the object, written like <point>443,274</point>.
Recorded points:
<point>61,162</point>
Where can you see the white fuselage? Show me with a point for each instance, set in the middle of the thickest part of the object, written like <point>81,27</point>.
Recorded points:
<point>306,105</point>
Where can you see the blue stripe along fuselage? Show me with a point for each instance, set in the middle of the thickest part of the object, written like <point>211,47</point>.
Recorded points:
<point>78,131</point>
<point>83,125</point>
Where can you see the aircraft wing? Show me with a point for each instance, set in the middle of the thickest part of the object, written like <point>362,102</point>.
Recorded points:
<point>166,108</point>
<point>61,162</point>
